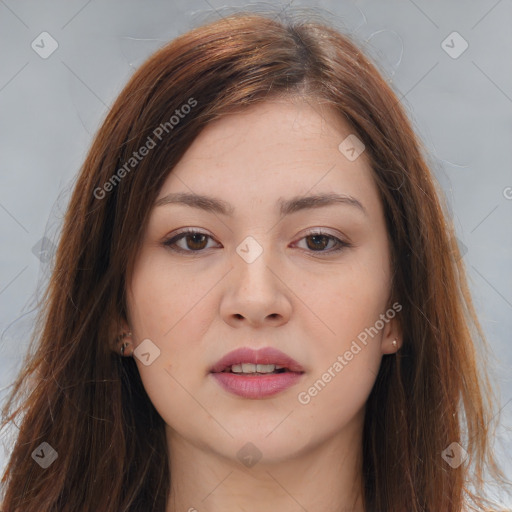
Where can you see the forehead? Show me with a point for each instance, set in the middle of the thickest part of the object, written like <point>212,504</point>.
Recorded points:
<point>271,151</point>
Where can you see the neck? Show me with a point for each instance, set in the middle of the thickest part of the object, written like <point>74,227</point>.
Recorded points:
<point>325,478</point>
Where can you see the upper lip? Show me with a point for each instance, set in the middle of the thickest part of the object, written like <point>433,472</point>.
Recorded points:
<point>266,355</point>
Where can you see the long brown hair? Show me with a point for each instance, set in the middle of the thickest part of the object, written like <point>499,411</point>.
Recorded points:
<point>89,404</point>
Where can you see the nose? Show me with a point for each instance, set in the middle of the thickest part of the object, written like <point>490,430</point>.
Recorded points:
<point>256,294</point>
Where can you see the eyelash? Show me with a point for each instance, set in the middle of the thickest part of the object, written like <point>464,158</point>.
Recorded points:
<point>169,243</point>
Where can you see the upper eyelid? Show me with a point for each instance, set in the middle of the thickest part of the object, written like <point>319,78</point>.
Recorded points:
<point>312,231</point>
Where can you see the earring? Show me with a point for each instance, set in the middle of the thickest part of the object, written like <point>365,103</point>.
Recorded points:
<point>126,343</point>
<point>394,343</point>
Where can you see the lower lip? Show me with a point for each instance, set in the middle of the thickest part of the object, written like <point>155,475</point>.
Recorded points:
<point>257,386</point>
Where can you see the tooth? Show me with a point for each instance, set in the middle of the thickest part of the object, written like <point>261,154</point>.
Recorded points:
<point>265,368</point>
<point>278,367</point>
<point>253,368</point>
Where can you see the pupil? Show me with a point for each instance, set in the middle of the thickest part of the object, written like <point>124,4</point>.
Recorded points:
<point>323,237</point>
<point>191,246</point>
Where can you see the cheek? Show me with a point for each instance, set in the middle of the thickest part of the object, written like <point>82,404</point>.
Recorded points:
<point>169,307</point>
<point>163,297</point>
<point>349,303</point>
<point>349,299</point>
<point>164,307</point>
<point>345,364</point>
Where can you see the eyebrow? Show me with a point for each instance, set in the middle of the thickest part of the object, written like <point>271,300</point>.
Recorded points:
<point>286,206</point>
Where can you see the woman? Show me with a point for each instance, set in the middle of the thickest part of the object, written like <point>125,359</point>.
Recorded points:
<point>257,300</point>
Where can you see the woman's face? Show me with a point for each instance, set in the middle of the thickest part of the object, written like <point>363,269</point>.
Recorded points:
<point>254,276</point>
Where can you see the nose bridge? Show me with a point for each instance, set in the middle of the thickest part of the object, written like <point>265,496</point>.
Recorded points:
<point>252,263</point>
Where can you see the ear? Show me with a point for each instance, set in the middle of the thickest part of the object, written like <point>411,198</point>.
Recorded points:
<point>118,327</point>
<point>392,331</point>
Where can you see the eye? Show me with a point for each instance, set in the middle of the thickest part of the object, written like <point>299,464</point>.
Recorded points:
<point>195,241</point>
<point>318,241</point>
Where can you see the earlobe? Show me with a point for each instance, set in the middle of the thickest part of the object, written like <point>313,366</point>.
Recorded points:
<point>120,336</point>
<point>125,345</point>
<point>391,345</point>
<point>392,339</point>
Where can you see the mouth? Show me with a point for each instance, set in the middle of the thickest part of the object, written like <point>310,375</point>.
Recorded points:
<point>256,374</point>
<point>248,369</point>
<point>248,361</point>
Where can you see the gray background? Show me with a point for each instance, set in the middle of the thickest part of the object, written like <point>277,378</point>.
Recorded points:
<point>461,107</point>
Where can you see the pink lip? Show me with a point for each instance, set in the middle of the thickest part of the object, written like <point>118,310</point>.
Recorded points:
<point>257,386</point>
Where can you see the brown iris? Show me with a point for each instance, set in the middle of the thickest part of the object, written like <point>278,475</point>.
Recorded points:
<point>323,241</point>
<point>198,239</point>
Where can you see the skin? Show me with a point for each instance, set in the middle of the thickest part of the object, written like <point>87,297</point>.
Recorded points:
<point>198,306</point>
